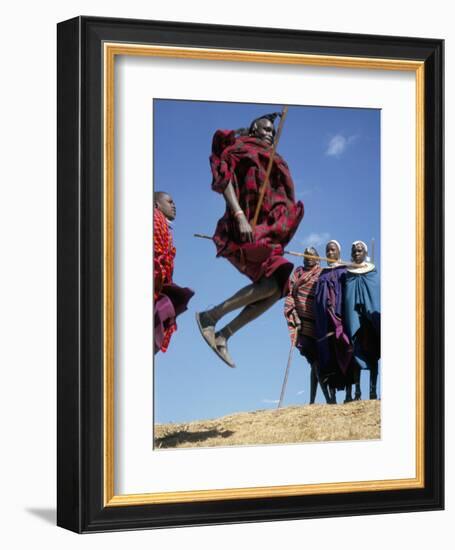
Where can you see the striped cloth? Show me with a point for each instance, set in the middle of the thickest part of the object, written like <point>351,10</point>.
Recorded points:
<point>298,306</point>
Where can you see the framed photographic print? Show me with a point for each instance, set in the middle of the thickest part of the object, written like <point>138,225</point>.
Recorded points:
<point>250,274</point>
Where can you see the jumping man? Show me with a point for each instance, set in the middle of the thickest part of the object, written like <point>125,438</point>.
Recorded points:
<point>239,162</point>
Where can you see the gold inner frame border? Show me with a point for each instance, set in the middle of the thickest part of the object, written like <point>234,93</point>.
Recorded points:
<point>110,51</point>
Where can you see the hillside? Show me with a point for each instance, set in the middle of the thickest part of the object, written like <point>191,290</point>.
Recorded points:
<point>358,420</point>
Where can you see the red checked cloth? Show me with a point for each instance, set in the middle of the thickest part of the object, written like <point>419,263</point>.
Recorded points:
<point>244,161</point>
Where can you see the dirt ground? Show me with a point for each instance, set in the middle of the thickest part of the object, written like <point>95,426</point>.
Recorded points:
<point>358,420</point>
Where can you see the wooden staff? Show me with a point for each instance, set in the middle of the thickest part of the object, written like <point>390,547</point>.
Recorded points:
<point>286,374</point>
<point>298,254</point>
<point>269,168</point>
<point>321,258</point>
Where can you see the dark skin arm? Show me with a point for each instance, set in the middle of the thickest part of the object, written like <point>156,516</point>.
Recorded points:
<point>246,232</point>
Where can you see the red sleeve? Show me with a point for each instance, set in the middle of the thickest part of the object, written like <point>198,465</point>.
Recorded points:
<point>221,162</point>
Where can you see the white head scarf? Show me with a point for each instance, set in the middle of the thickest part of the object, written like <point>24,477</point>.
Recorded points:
<point>336,242</point>
<point>367,258</point>
<point>338,245</point>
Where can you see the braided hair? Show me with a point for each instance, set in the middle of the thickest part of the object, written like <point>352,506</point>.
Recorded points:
<point>252,127</point>
<point>270,116</point>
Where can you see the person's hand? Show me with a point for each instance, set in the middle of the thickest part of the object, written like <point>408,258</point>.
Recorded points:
<point>245,229</point>
<point>297,322</point>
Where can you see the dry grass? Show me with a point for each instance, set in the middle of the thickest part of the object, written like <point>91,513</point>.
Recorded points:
<point>358,420</point>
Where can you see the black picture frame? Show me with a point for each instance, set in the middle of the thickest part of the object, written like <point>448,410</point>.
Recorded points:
<point>81,475</point>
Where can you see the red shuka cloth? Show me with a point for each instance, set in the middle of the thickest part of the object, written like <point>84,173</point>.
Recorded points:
<point>163,268</point>
<point>163,253</point>
<point>170,299</point>
<point>244,161</point>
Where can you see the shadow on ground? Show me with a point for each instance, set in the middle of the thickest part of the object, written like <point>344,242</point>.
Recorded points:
<point>49,515</point>
<point>174,439</point>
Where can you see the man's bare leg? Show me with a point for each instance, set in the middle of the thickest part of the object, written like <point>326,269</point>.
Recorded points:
<point>313,383</point>
<point>373,379</point>
<point>249,294</point>
<point>358,391</point>
<point>248,314</point>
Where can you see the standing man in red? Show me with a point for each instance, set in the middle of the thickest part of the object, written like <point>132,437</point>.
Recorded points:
<point>170,300</point>
<point>239,162</point>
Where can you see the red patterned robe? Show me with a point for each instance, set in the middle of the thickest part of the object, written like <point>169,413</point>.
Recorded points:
<point>300,301</point>
<point>244,161</point>
<point>299,309</point>
<point>169,299</point>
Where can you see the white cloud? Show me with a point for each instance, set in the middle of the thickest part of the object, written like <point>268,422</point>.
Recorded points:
<point>270,401</point>
<point>315,239</point>
<point>305,192</point>
<point>338,144</point>
<point>300,392</point>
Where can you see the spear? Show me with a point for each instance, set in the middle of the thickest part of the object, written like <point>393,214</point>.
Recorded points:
<point>202,236</point>
<point>299,254</point>
<point>269,167</point>
<point>286,374</point>
<point>321,258</point>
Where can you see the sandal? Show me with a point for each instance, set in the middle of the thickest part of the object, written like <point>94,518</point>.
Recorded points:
<point>222,351</point>
<point>207,328</point>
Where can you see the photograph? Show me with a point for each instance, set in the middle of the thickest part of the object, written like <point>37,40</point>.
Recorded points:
<point>285,190</point>
<point>267,262</point>
<point>226,233</point>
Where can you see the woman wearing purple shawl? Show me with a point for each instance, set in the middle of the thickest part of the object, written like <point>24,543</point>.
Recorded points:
<point>334,346</point>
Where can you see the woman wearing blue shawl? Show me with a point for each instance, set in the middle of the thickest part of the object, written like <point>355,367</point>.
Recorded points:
<point>362,315</point>
<point>334,346</point>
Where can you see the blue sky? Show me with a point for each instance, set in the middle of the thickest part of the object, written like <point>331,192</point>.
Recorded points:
<point>334,158</point>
